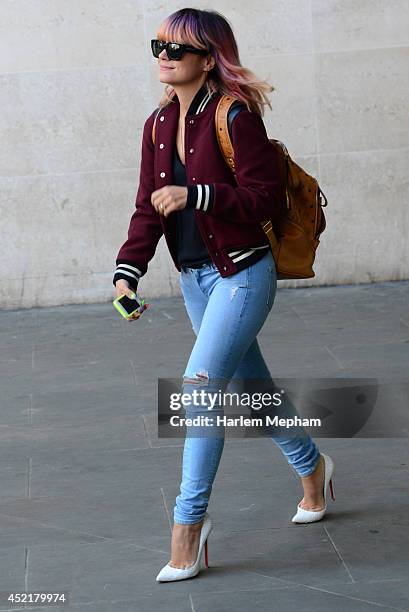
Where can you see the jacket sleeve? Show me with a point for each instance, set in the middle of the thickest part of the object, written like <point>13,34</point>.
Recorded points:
<point>260,189</point>
<point>145,228</point>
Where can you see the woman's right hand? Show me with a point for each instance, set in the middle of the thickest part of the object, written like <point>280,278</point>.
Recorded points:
<point>122,287</point>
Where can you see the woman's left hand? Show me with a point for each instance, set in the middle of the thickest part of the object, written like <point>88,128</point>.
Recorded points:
<point>169,198</point>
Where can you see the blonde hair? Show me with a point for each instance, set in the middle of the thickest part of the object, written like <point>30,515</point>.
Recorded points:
<point>211,31</point>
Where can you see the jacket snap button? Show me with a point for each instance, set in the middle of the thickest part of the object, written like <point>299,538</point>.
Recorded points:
<point>161,146</point>
<point>194,178</point>
<point>162,118</point>
<point>162,174</point>
<point>224,268</point>
<point>216,253</point>
<point>210,235</point>
<point>191,121</point>
<point>191,150</point>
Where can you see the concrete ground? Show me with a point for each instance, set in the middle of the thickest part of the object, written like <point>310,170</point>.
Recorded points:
<point>87,488</point>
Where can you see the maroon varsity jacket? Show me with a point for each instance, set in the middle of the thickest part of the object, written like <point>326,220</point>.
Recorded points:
<point>227,212</point>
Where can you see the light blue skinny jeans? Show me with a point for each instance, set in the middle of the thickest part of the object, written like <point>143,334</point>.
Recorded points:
<point>226,315</point>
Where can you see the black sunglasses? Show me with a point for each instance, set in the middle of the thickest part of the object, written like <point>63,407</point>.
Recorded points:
<point>174,51</point>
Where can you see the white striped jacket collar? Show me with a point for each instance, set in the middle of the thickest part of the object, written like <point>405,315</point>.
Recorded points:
<point>199,102</point>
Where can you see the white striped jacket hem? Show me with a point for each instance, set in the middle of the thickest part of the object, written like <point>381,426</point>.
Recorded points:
<point>244,253</point>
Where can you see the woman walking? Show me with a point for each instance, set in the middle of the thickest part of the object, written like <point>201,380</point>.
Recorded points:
<point>211,224</point>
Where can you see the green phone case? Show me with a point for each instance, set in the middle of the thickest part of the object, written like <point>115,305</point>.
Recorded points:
<point>122,310</point>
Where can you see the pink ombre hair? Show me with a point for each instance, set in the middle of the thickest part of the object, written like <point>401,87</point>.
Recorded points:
<point>210,30</point>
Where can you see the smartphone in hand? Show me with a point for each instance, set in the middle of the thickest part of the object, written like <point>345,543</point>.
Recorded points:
<point>130,306</point>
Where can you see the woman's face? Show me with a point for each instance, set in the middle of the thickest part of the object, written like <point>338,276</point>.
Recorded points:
<point>188,69</point>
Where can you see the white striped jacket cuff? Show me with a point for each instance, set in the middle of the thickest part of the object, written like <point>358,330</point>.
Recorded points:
<point>200,197</point>
<point>127,272</point>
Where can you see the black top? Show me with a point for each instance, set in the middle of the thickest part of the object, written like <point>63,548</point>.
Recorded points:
<point>192,251</point>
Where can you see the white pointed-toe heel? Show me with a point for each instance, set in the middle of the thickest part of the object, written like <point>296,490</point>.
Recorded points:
<point>310,516</point>
<point>169,573</point>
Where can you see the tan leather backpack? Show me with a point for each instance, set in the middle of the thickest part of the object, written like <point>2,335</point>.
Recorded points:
<point>296,234</point>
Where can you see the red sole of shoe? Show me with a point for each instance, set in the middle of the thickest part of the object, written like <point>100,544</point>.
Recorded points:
<point>206,555</point>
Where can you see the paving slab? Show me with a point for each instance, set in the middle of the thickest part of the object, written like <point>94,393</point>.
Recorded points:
<point>88,488</point>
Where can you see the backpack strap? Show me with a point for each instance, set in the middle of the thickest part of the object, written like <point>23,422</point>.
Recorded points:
<point>224,115</point>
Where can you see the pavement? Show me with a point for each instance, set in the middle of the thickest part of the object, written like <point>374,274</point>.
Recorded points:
<point>88,489</point>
